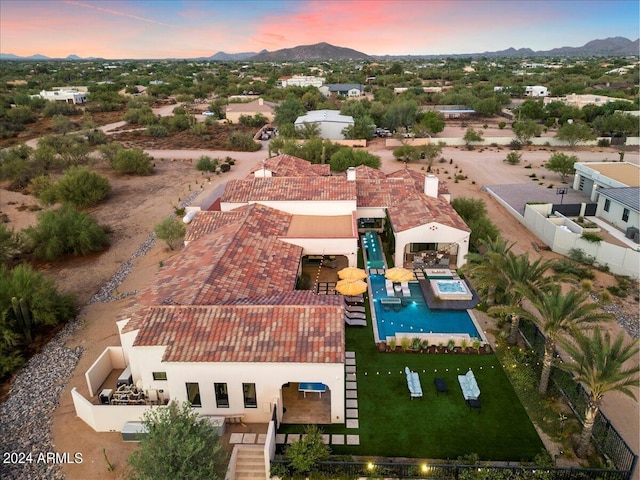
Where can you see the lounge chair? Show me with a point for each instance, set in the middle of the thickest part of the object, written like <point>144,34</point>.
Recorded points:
<point>413,382</point>
<point>355,315</point>
<point>405,289</point>
<point>355,308</point>
<point>469,386</point>
<point>389,286</point>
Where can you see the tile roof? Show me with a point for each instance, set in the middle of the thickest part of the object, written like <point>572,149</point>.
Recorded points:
<point>246,333</point>
<point>289,166</point>
<point>242,258</point>
<point>627,196</point>
<point>421,210</point>
<point>383,192</point>
<point>289,189</point>
<point>418,178</point>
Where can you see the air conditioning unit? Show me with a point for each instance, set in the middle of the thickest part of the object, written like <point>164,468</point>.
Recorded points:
<point>125,378</point>
<point>631,232</point>
<point>105,396</point>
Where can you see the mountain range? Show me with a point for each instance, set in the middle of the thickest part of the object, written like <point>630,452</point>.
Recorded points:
<point>613,46</point>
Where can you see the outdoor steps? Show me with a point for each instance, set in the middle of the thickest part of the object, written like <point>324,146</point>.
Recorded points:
<point>250,462</point>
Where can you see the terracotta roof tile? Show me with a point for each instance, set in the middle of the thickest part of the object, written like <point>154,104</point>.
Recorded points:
<point>421,210</point>
<point>246,333</point>
<point>383,192</point>
<point>289,189</point>
<point>290,166</point>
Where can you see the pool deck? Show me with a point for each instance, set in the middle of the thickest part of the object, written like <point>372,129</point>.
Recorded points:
<point>429,296</point>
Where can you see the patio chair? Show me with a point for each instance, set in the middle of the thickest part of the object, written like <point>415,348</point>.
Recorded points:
<point>389,287</point>
<point>405,289</point>
<point>355,308</point>
<point>413,382</point>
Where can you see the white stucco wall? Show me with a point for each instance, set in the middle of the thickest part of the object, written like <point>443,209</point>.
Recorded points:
<point>614,215</point>
<point>621,260</point>
<point>268,377</point>
<point>432,233</point>
<point>328,208</point>
<point>327,246</point>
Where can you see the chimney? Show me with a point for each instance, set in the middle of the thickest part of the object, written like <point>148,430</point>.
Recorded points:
<point>431,186</point>
<point>260,101</point>
<point>351,174</point>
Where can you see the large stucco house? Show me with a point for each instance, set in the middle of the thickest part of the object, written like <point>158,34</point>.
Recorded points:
<point>222,325</point>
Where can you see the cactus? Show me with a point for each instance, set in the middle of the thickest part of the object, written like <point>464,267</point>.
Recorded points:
<point>23,317</point>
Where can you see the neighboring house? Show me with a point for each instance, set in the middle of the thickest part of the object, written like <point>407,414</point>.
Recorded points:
<point>621,208</point>
<point>579,101</point>
<point>234,111</point>
<point>331,123</point>
<point>615,187</point>
<point>67,96</point>
<point>536,91</point>
<point>300,81</point>
<point>222,324</point>
<point>591,176</point>
<point>344,89</point>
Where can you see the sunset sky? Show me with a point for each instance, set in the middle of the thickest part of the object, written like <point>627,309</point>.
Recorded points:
<point>199,28</point>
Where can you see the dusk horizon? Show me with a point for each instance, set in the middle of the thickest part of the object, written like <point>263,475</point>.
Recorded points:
<point>139,30</point>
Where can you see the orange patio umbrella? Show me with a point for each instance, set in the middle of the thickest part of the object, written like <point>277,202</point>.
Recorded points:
<point>351,287</point>
<point>397,274</point>
<point>352,273</point>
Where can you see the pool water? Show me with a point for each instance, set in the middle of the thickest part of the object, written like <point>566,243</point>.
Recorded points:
<point>451,286</point>
<point>375,255</point>
<point>414,316</point>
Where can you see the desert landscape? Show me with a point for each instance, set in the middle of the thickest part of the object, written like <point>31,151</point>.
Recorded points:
<point>136,204</point>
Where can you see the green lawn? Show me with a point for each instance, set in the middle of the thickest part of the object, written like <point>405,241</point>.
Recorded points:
<point>433,427</point>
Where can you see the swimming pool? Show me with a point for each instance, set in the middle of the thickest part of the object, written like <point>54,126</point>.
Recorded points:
<point>413,316</point>
<point>375,255</point>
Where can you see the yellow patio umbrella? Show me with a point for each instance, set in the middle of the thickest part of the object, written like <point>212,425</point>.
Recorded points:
<point>397,274</point>
<point>351,287</point>
<point>352,273</point>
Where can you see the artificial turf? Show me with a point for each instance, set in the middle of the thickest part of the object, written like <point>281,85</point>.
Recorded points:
<point>391,424</point>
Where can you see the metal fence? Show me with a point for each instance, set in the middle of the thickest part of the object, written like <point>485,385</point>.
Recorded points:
<point>604,437</point>
<point>352,470</point>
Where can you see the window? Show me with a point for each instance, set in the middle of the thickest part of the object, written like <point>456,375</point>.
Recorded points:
<point>249,392</point>
<point>625,215</point>
<point>193,394</point>
<point>222,395</point>
<point>607,205</point>
<point>159,375</point>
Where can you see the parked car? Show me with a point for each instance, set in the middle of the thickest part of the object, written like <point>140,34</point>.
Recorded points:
<point>207,113</point>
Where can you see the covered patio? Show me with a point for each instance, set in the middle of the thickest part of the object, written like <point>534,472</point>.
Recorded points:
<point>309,408</point>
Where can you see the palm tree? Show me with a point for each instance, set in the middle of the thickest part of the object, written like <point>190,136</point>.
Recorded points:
<point>599,364</point>
<point>511,277</point>
<point>560,313</point>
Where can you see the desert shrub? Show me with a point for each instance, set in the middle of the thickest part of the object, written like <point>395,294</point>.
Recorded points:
<point>573,268</point>
<point>225,167</point>
<point>207,164</point>
<point>604,142</point>
<point>96,137</point>
<point>243,142</point>
<point>586,285</point>
<point>515,145</point>
<point>172,231</point>
<point>617,291</point>
<point>65,231</point>
<point>501,125</point>
<point>592,237</point>
<point>79,186</point>
<point>605,297</point>
<point>349,157</point>
<point>305,453</point>
<point>513,158</point>
<point>133,161</point>
<point>157,131</point>
<point>60,108</point>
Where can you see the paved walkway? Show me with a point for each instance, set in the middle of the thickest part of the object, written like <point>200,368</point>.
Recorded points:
<point>352,422</point>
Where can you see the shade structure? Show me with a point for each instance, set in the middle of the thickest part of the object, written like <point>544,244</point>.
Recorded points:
<point>351,287</point>
<point>397,274</point>
<point>352,273</point>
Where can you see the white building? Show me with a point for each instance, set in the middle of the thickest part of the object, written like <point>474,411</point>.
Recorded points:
<point>331,123</point>
<point>67,96</point>
<point>579,101</point>
<point>621,208</point>
<point>536,91</point>
<point>221,324</point>
<point>300,81</point>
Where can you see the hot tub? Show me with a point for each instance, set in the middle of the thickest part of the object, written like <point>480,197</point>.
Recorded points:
<point>451,289</point>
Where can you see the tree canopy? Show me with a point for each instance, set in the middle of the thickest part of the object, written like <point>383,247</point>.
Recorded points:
<point>179,444</point>
<point>561,163</point>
